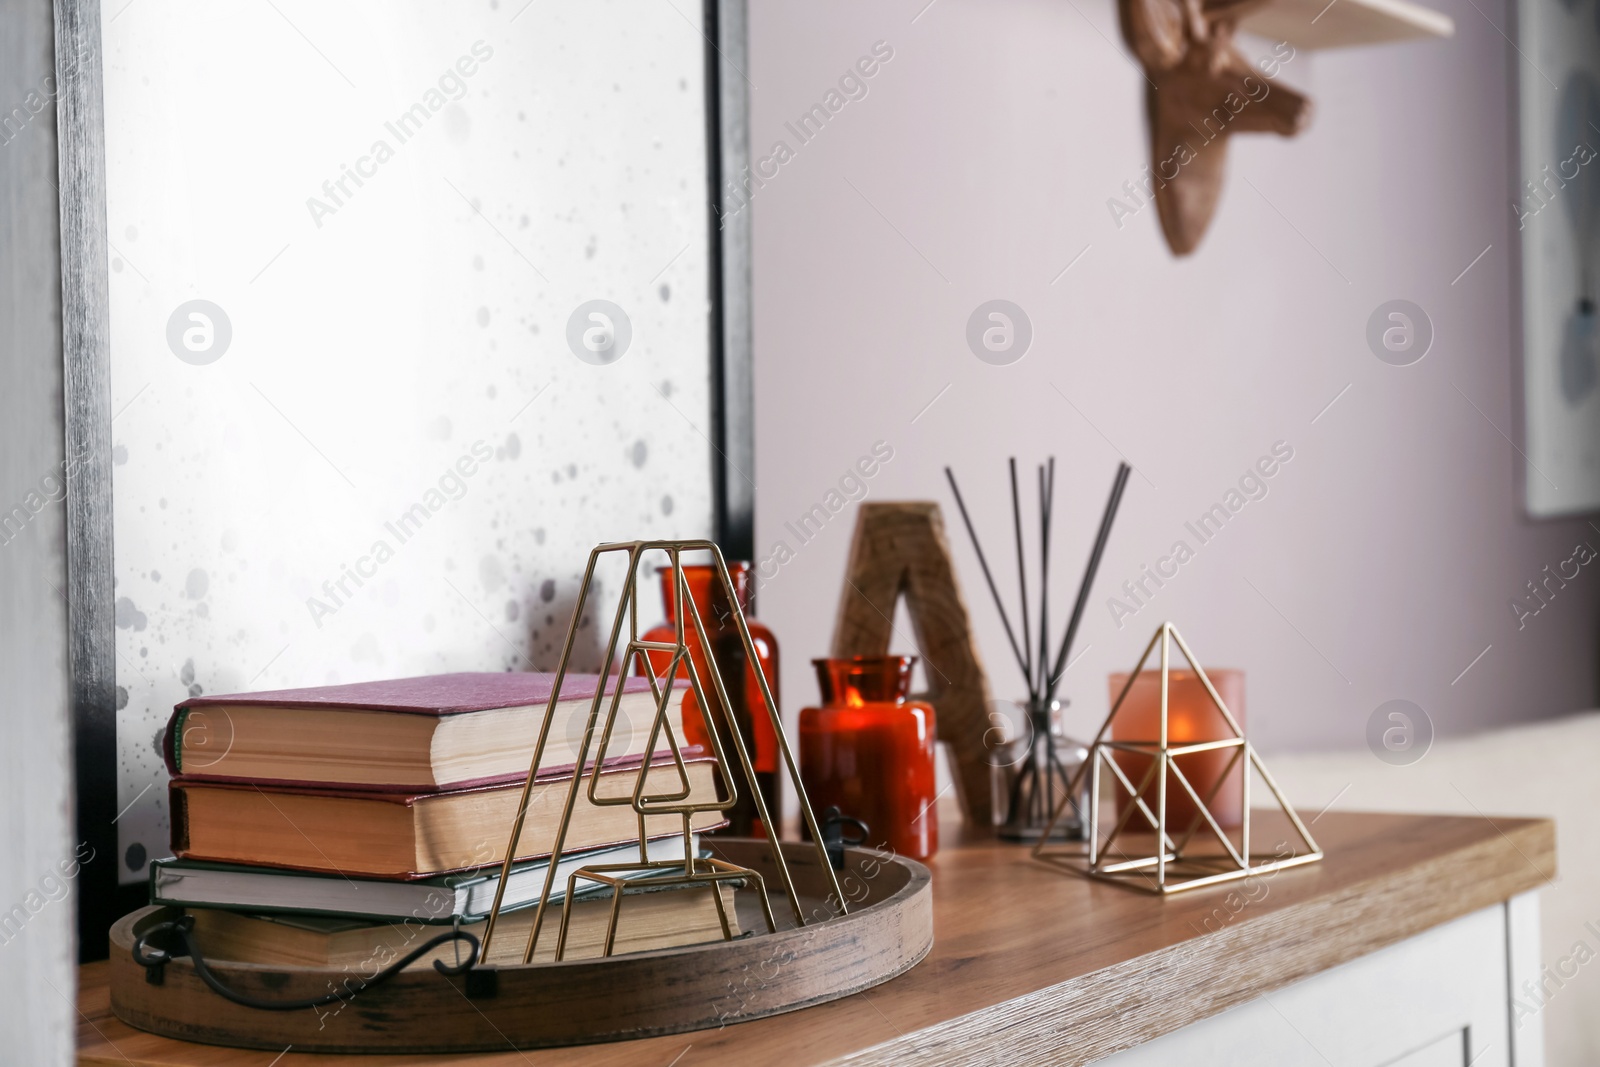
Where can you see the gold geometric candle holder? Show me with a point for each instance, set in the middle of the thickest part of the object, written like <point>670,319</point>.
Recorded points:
<point>1174,861</point>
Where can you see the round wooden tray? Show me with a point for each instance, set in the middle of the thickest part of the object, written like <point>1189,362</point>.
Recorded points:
<point>888,930</point>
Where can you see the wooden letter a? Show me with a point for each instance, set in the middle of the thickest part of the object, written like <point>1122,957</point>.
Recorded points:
<point>899,548</point>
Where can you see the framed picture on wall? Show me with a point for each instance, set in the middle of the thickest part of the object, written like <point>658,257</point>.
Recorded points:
<point>1557,212</point>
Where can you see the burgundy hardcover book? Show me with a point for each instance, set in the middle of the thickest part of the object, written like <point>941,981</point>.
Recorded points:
<point>408,735</point>
<point>418,835</point>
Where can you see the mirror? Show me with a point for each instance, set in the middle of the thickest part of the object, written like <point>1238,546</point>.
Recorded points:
<point>408,310</point>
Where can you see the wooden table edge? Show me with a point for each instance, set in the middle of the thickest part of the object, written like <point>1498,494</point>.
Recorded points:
<point>1133,1001</point>
<point>1152,995</point>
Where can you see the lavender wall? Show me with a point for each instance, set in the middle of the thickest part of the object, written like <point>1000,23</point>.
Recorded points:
<point>978,164</point>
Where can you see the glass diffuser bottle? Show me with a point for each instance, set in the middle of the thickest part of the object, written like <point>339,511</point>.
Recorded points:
<point>749,712</point>
<point>870,752</point>
<point>1031,776</point>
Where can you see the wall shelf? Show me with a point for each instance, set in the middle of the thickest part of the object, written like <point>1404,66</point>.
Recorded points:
<point>1318,24</point>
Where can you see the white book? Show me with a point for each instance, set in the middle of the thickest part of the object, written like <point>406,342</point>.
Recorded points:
<point>468,895</point>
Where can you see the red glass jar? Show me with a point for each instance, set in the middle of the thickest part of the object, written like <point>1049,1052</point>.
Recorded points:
<point>869,751</point>
<point>749,711</point>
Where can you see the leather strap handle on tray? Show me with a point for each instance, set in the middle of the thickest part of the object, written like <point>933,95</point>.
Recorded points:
<point>155,960</point>
<point>834,838</point>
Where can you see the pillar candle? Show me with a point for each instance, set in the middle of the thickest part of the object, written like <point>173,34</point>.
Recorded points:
<point>1191,718</point>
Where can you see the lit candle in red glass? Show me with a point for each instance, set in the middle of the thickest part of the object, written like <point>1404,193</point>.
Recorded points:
<point>869,751</point>
<point>1191,718</point>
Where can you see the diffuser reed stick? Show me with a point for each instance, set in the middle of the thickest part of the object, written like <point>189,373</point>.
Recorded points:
<point>1041,683</point>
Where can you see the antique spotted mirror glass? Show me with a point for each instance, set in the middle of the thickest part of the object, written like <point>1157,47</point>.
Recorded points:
<point>409,306</point>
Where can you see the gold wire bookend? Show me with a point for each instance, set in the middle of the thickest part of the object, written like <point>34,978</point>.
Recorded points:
<point>624,879</point>
<point>1172,865</point>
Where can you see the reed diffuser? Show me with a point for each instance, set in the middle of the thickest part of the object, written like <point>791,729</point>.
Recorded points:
<point>1046,759</point>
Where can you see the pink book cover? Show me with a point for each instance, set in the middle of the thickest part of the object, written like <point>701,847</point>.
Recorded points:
<point>429,694</point>
<point>433,694</point>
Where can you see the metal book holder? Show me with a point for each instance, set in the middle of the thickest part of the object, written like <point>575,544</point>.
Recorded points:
<point>691,870</point>
<point>1173,866</point>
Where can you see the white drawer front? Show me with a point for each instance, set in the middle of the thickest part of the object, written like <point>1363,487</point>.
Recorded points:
<point>1448,1051</point>
<point>1434,1000</point>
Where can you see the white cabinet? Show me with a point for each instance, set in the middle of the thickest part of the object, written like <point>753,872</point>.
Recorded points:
<point>1440,999</point>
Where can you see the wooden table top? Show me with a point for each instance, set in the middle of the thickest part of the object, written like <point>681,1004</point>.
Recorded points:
<point>1032,963</point>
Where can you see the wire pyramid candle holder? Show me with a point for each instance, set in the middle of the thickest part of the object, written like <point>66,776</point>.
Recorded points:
<point>1172,863</point>
<point>625,650</point>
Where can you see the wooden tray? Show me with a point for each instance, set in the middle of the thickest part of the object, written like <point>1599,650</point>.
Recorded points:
<point>888,930</point>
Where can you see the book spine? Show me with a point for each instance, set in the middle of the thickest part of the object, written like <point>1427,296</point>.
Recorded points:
<point>178,810</point>
<point>169,741</point>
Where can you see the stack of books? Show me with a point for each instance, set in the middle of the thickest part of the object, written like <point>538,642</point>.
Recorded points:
<point>336,825</point>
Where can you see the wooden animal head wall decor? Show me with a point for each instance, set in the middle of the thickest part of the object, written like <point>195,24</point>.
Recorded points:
<point>1200,90</point>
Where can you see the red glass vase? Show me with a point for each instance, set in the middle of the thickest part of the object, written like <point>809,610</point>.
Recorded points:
<point>749,711</point>
<point>869,751</point>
